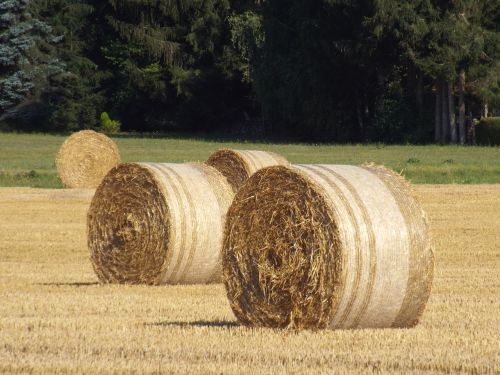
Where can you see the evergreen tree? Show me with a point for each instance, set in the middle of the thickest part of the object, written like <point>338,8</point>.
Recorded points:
<point>25,61</point>
<point>315,71</point>
<point>169,60</point>
<point>483,68</point>
<point>438,43</point>
<point>462,44</point>
<point>76,99</point>
<point>340,70</point>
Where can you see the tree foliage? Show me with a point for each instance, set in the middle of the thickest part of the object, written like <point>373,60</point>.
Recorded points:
<point>77,97</point>
<point>364,70</point>
<point>26,64</point>
<point>170,54</point>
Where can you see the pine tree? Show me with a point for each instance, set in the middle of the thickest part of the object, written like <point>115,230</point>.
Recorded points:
<point>76,98</point>
<point>318,70</point>
<point>25,65</point>
<point>463,42</point>
<point>445,42</point>
<point>169,56</point>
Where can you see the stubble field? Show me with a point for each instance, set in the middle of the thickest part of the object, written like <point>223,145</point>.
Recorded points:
<point>56,319</point>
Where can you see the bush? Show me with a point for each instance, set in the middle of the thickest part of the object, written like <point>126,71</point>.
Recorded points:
<point>108,125</point>
<point>488,131</point>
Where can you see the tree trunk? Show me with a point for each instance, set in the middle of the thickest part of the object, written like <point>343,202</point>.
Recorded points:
<point>419,93</point>
<point>381,78</point>
<point>451,110</point>
<point>445,114</point>
<point>411,80</point>
<point>472,130</point>
<point>437,119</point>
<point>461,106</point>
<point>359,115</point>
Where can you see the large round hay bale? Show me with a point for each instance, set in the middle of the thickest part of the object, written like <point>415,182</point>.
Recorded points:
<point>319,246</point>
<point>158,224</point>
<point>84,159</point>
<point>238,165</point>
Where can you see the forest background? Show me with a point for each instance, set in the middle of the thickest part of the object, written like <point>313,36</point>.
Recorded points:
<point>308,70</point>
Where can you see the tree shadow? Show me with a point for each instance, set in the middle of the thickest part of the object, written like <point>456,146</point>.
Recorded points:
<point>75,284</point>
<point>217,137</point>
<point>198,323</point>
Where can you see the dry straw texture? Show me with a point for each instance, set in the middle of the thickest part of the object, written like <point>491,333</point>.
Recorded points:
<point>55,319</point>
<point>158,224</point>
<point>85,158</point>
<point>322,246</point>
<point>238,165</point>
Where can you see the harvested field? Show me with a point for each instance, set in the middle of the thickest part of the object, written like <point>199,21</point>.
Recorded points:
<point>55,318</point>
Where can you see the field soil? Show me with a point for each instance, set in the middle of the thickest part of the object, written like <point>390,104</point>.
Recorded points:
<point>56,319</point>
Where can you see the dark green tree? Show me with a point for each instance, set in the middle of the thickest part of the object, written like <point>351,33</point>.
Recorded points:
<point>170,63</point>
<point>76,98</point>
<point>445,42</point>
<point>26,62</point>
<point>314,69</point>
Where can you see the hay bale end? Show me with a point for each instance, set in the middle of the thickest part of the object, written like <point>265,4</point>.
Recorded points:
<point>154,223</point>
<point>327,246</point>
<point>84,159</point>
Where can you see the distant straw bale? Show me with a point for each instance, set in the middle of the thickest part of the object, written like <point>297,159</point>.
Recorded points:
<point>327,246</point>
<point>152,223</point>
<point>239,165</point>
<point>84,159</point>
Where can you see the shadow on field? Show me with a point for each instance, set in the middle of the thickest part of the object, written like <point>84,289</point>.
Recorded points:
<point>198,323</point>
<point>76,284</point>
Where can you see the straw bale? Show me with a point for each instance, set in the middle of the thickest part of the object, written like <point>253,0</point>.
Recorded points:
<point>84,159</point>
<point>327,246</point>
<point>238,165</point>
<point>152,223</point>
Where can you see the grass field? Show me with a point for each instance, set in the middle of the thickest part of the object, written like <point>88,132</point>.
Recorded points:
<point>28,160</point>
<point>56,319</point>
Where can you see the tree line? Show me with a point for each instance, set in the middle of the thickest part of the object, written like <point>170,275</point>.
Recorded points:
<point>319,70</point>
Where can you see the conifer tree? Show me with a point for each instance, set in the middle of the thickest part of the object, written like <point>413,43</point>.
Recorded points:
<point>76,98</point>
<point>25,64</point>
<point>171,53</point>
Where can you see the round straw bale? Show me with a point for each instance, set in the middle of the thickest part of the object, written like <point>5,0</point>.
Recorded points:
<point>238,165</point>
<point>84,159</point>
<point>327,246</point>
<point>158,224</point>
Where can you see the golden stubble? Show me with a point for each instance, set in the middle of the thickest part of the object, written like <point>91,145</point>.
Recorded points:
<point>55,318</point>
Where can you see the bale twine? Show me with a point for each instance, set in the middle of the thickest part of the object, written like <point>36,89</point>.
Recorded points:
<point>84,159</point>
<point>327,246</point>
<point>158,224</point>
<point>238,165</point>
